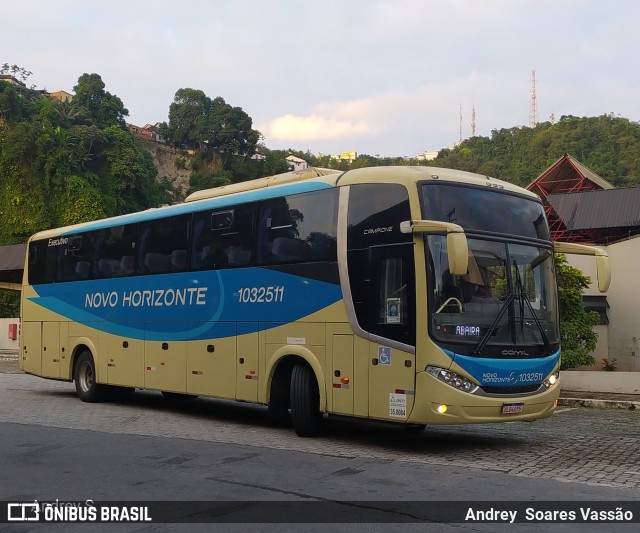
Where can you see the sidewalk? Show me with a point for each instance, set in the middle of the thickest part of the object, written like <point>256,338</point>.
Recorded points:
<point>602,400</point>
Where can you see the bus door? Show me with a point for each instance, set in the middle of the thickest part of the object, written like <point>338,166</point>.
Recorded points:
<point>392,323</point>
<point>380,261</point>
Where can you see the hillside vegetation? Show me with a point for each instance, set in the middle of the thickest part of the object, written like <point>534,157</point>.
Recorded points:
<point>608,145</point>
<point>64,162</point>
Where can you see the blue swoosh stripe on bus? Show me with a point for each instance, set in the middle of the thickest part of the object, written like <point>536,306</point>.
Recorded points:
<point>211,304</point>
<point>202,205</point>
<point>505,371</point>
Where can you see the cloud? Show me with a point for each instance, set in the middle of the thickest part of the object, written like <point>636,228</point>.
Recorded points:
<point>313,127</point>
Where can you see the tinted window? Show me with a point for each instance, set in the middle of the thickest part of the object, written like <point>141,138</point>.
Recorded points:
<point>484,210</point>
<point>375,213</point>
<point>222,238</point>
<point>163,245</point>
<point>42,261</point>
<point>115,251</point>
<point>75,258</point>
<point>298,228</point>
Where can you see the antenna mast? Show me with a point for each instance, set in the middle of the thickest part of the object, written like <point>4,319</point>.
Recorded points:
<point>533,115</point>
<point>460,122</point>
<point>473,119</point>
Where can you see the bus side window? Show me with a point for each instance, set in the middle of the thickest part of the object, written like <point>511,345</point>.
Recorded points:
<point>222,238</point>
<point>42,263</point>
<point>75,258</point>
<point>115,249</point>
<point>298,228</point>
<point>163,245</point>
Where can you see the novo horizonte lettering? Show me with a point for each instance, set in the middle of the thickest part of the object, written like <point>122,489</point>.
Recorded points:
<point>148,298</point>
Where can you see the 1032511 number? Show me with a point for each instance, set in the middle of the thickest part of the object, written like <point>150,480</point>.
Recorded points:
<point>261,294</point>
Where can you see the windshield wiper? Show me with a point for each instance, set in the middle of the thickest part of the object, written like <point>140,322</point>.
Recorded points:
<point>524,299</point>
<point>485,338</point>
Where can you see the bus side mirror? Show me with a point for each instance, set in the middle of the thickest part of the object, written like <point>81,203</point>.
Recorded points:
<point>603,268</point>
<point>457,246</point>
<point>458,252</point>
<point>604,272</point>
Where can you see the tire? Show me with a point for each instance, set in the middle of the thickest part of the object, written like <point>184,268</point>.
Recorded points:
<point>84,375</point>
<point>305,401</point>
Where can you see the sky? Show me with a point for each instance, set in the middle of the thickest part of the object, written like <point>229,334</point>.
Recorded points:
<point>379,77</point>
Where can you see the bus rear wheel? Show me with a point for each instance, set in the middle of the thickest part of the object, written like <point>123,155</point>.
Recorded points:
<point>305,401</point>
<point>84,375</point>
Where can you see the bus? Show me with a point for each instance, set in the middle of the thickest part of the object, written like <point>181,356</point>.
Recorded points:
<point>415,295</point>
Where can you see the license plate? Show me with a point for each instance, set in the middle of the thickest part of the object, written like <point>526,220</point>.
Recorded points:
<point>512,408</point>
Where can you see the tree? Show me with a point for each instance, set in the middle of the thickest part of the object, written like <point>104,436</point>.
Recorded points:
<point>131,171</point>
<point>196,119</point>
<point>229,129</point>
<point>188,117</point>
<point>12,106</point>
<point>577,337</point>
<point>9,304</point>
<point>104,108</point>
<point>63,163</point>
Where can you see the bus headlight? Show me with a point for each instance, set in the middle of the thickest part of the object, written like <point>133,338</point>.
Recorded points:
<point>552,379</point>
<point>451,378</point>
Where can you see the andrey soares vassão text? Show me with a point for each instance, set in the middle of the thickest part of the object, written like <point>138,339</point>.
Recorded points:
<point>582,514</point>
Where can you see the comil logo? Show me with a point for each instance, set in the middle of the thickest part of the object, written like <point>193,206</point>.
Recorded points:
<point>515,352</point>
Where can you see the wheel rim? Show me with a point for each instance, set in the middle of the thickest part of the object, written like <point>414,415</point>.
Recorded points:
<point>86,376</point>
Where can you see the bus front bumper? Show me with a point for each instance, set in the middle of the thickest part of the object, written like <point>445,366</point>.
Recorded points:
<point>439,403</point>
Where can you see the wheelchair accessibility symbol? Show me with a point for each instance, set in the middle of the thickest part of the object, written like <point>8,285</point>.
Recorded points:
<point>384,355</point>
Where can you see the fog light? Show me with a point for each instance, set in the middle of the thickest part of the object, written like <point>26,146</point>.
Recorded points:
<point>442,409</point>
<point>552,380</point>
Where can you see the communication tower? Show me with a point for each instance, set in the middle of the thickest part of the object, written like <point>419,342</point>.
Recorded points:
<point>533,115</point>
<point>473,120</point>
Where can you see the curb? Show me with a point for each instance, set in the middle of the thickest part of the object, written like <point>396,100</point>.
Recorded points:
<point>599,404</point>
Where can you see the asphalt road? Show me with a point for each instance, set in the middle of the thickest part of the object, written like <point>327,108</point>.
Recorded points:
<point>142,448</point>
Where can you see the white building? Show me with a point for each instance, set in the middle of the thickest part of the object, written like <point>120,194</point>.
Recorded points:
<point>295,163</point>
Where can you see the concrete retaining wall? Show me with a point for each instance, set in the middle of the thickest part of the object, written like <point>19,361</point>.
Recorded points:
<point>589,381</point>
<point>5,342</point>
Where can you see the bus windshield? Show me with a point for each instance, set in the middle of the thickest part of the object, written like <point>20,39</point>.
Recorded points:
<point>505,305</point>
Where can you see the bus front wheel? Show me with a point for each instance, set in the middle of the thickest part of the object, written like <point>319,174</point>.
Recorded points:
<point>305,401</point>
<point>84,374</point>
